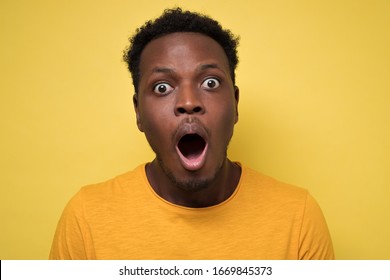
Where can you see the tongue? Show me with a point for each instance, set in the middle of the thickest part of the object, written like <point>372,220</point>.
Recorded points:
<point>192,149</point>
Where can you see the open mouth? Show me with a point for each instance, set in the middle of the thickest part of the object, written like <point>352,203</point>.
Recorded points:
<point>191,146</point>
<point>192,150</point>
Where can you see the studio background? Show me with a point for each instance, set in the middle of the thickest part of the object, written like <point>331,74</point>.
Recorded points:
<point>314,108</point>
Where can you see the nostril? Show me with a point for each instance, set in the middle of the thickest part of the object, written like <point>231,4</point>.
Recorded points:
<point>197,109</point>
<point>194,110</point>
<point>181,110</point>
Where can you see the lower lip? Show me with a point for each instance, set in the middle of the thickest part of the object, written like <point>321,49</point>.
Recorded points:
<point>193,164</point>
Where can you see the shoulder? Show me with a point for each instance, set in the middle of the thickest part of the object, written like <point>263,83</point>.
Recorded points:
<point>271,189</point>
<point>115,185</point>
<point>99,195</point>
<point>290,205</point>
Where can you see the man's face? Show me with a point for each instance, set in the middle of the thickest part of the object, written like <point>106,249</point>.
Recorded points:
<point>187,106</point>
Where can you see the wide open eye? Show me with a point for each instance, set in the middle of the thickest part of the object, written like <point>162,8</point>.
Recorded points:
<point>210,83</point>
<point>163,88</point>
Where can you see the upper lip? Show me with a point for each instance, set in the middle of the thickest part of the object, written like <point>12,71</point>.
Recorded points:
<point>190,126</point>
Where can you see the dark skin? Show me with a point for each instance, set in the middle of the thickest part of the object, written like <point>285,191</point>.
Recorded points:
<point>186,89</point>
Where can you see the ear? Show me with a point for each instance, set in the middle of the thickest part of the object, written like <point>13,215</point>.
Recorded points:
<point>136,109</point>
<point>236,97</point>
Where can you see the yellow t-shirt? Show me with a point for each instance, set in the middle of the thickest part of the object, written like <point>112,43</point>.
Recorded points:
<point>124,218</point>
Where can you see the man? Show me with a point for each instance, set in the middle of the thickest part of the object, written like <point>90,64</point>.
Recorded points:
<point>191,201</point>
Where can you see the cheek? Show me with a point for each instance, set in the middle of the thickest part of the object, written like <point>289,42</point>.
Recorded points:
<point>224,121</point>
<point>155,123</point>
<point>228,112</point>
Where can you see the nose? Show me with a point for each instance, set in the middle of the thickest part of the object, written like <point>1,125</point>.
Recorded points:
<point>188,101</point>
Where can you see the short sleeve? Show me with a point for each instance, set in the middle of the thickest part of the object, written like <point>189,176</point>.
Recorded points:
<point>314,242</point>
<point>72,240</point>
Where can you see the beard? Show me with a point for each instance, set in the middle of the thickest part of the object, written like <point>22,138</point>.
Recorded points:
<point>191,184</point>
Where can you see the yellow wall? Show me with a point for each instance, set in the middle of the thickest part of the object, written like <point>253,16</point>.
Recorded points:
<point>314,109</point>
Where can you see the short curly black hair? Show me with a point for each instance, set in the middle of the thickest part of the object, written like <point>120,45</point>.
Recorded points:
<point>177,20</point>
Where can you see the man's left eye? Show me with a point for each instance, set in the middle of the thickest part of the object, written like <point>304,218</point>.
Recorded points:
<point>210,83</point>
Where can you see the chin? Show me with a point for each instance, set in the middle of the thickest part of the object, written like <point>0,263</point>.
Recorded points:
<point>192,185</point>
<point>191,181</point>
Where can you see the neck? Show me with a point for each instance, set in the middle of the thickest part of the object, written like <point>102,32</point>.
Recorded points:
<point>217,191</point>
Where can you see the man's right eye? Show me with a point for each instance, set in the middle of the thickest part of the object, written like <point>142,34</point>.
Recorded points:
<point>163,88</point>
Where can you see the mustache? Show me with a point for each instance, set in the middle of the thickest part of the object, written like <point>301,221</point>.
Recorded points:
<point>189,121</point>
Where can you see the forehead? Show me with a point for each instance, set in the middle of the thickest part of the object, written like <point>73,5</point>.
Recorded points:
<point>181,49</point>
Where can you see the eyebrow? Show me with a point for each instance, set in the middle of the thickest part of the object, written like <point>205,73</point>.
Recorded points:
<point>200,68</point>
<point>209,66</point>
<point>162,70</point>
